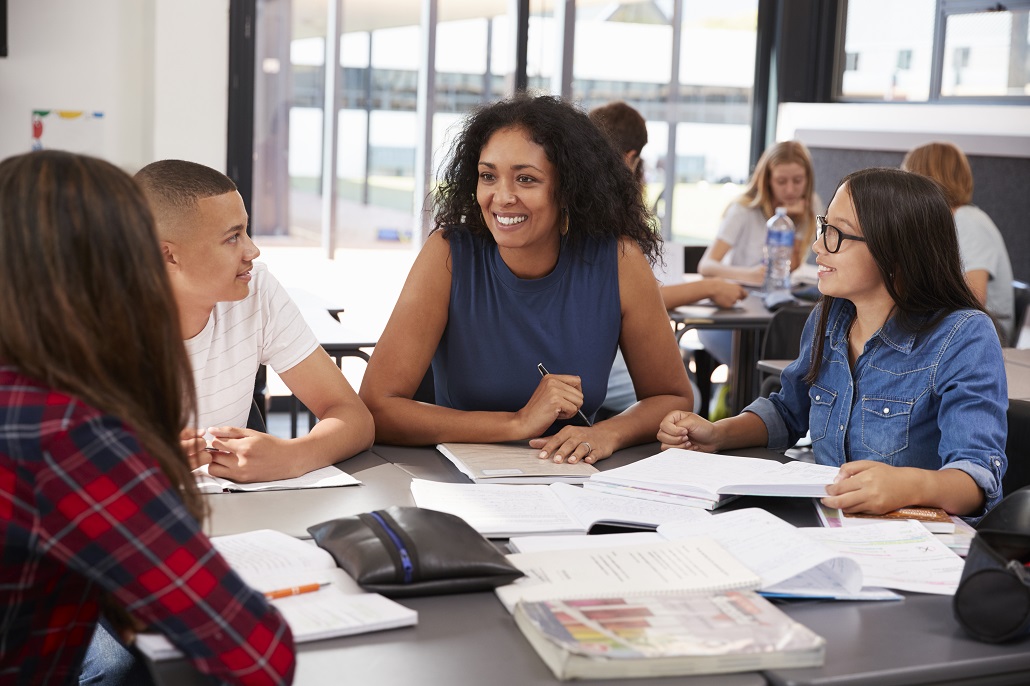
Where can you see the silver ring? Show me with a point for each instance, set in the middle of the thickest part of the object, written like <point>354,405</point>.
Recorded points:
<point>588,447</point>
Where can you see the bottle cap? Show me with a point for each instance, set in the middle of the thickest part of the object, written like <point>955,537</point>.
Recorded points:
<point>781,210</point>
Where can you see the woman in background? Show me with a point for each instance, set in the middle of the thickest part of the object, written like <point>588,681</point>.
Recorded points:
<point>100,513</point>
<point>886,380</point>
<point>783,177</point>
<point>541,257</point>
<point>981,246</point>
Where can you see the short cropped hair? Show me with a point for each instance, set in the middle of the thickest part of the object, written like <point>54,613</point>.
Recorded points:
<point>626,127</point>
<point>173,188</point>
<point>946,164</point>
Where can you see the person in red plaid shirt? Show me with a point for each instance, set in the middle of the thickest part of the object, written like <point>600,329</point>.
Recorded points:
<point>99,513</point>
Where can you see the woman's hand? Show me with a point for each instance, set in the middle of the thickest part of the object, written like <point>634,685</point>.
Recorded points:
<point>575,443</point>
<point>687,430</point>
<point>872,487</point>
<point>557,396</point>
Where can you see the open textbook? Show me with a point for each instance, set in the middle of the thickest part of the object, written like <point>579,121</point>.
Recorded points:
<point>270,560</point>
<point>319,478</point>
<point>511,463</point>
<point>708,480</point>
<point>666,635</point>
<point>502,511</point>
<point>698,565</point>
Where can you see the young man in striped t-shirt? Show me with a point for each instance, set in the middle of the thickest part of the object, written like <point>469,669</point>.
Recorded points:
<point>235,316</point>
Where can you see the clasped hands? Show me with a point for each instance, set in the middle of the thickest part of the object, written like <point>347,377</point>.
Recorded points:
<point>241,455</point>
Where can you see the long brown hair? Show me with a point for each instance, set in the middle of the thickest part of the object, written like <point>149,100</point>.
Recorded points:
<point>910,233</point>
<point>86,304</point>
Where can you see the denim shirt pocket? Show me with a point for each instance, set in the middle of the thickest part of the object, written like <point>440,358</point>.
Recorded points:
<point>820,406</point>
<point>885,423</point>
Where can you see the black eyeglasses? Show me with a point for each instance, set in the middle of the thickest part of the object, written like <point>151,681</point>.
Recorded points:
<point>832,236</point>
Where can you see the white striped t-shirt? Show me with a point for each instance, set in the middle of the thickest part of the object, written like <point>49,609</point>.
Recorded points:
<point>264,328</point>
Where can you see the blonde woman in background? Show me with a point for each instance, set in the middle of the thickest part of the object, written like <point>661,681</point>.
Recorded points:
<point>783,177</point>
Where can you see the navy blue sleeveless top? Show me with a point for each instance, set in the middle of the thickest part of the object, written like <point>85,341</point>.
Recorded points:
<point>500,327</point>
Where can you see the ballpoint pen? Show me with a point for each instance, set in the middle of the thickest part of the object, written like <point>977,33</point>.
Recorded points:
<point>295,590</point>
<point>543,372</point>
<point>217,451</point>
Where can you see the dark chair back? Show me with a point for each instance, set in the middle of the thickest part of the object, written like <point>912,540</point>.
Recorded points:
<point>1017,447</point>
<point>1021,291</point>
<point>692,255</point>
<point>256,420</point>
<point>783,340</point>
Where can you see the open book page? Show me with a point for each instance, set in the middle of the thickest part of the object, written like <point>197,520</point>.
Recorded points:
<point>325,477</point>
<point>786,559</point>
<point>498,510</point>
<point>901,555</point>
<point>688,472</point>
<point>502,511</point>
<point>685,566</point>
<point>590,507</point>
<point>511,463</point>
<point>270,560</point>
<point>796,479</point>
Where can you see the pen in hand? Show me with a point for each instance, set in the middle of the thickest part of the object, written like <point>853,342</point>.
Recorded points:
<point>217,451</point>
<point>295,590</point>
<point>543,372</point>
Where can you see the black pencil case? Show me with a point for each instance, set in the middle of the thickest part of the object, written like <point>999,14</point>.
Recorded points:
<point>410,551</point>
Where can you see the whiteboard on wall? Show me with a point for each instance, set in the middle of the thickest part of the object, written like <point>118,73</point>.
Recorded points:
<point>80,131</point>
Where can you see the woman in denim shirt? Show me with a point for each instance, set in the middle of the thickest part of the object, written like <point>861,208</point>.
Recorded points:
<point>900,378</point>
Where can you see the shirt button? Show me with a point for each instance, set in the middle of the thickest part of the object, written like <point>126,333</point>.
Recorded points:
<point>841,427</point>
<point>886,410</point>
<point>997,463</point>
<point>818,397</point>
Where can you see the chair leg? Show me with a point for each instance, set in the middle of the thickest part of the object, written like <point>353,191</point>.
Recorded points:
<point>705,364</point>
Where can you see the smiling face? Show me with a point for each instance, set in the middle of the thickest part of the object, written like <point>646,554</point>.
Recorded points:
<point>850,273</point>
<point>214,255</point>
<point>516,191</point>
<point>789,183</point>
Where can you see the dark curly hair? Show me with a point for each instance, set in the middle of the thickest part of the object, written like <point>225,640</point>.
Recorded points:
<point>594,185</point>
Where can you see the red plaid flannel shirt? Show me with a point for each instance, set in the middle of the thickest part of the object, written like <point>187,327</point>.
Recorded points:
<point>84,509</point>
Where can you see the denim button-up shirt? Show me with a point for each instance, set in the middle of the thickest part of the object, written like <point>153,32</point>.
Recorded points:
<point>935,400</point>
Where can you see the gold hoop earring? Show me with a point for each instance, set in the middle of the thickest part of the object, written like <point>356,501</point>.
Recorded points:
<point>565,224</point>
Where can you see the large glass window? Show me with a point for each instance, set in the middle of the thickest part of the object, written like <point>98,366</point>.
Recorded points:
<point>713,113</point>
<point>889,49</point>
<point>922,50</point>
<point>985,54</point>
<point>622,51</point>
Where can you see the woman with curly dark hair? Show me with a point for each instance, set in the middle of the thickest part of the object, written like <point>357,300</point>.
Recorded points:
<point>540,260</point>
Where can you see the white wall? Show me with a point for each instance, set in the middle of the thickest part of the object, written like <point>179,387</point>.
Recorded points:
<point>999,130</point>
<point>157,69</point>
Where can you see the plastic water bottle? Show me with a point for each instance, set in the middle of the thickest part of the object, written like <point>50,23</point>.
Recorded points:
<point>779,249</point>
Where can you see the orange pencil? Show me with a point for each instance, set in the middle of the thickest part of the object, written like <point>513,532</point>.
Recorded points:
<point>296,590</point>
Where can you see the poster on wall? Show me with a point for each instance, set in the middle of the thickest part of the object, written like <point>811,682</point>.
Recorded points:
<point>79,131</point>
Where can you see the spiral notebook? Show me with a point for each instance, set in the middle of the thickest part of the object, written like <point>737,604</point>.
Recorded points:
<point>698,565</point>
